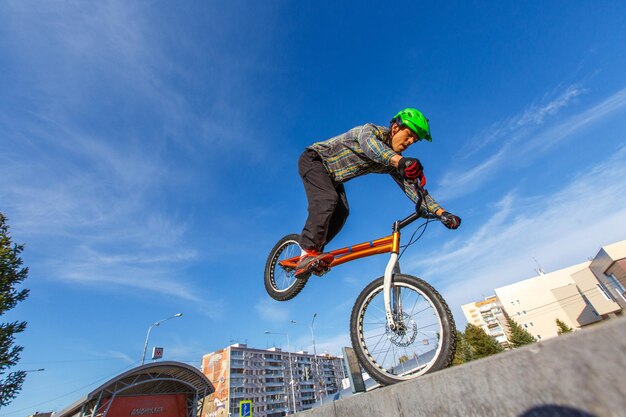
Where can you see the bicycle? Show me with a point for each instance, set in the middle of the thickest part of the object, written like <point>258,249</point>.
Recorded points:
<point>407,333</point>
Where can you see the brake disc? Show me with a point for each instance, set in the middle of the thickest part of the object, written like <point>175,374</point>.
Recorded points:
<point>405,332</point>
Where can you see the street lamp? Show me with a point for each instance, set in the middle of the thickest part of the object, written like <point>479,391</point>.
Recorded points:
<point>292,382</point>
<point>317,365</point>
<point>155,324</point>
<point>317,369</point>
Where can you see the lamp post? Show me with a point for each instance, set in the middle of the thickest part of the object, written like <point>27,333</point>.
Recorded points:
<point>317,366</point>
<point>155,324</point>
<point>291,382</point>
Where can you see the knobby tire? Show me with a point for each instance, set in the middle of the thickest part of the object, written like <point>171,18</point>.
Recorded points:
<point>444,354</point>
<point>275,274</point>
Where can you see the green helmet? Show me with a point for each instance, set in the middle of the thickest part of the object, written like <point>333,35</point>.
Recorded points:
<point>414,120</point>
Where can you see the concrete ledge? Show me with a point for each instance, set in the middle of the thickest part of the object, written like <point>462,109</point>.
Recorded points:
<point>582,374</point>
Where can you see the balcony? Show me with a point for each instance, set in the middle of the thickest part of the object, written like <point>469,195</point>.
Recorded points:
<point>274,400</point>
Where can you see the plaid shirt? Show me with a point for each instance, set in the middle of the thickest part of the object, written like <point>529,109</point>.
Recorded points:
<point>364,150</point>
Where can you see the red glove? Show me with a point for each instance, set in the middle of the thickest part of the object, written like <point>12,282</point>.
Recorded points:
<point>422,180</point>
<point>410,168</point>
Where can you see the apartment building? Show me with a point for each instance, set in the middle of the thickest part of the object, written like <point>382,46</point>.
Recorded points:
<point>264,376</point>
<point>489,315</point>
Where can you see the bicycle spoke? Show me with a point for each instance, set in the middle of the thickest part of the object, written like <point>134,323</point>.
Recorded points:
<point>379,340</point>
<point>430,325</point>
<point>378,335</point>
<point>283,276</point>
<point>380,323</point>
<point>385,358</point>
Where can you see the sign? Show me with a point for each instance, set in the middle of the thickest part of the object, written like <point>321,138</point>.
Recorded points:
<point>245,408</point>
<point>167,405</point>
<point>157,353</point>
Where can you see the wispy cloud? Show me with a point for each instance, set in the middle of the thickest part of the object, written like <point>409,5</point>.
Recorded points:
<point>120,355</point>
<point>521,148</point>
<point>334,344</point>
<point>559,230</point>
<point>84,176</point>
<point>534,115</point>
<point>456,183</point>
<point>272,311</point>
<point>574,124</point>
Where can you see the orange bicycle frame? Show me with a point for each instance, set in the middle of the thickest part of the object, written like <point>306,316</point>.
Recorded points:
<point>386,244</point>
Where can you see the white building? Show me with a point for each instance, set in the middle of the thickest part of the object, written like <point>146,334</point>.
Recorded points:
<point>578,295</point>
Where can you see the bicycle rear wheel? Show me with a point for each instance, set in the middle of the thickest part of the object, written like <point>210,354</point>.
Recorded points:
<point>423,342</point>
<point>280,282</point>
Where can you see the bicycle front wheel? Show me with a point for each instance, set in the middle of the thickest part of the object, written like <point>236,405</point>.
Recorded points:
<point>424,340</point>
<point>280,282</point>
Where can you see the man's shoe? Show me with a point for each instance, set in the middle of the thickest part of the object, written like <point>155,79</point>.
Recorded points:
<point>312,262</point>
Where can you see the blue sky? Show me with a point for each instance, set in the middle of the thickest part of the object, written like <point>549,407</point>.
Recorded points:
<point>150,147</point>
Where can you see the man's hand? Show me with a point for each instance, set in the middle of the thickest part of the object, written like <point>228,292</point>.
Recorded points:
<point>410,168</point>
<point>450,220</point>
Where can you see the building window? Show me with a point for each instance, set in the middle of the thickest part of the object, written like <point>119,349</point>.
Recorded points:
<point>619,288</point>
<point>604,292</point>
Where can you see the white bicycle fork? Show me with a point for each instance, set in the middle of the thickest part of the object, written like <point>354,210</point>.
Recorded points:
<point>393,304</point>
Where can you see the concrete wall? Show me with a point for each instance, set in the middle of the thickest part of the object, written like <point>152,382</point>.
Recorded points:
<point>579,374</point>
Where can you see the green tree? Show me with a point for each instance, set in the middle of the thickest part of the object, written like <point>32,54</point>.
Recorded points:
<point>403,359</point>
<point>563,328</point>
<point>463,352</point>
<point>518,336</point>
<point>11,274</point>
<point>481,344</point>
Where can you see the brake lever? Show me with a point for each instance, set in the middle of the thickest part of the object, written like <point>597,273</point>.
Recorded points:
<point>423,213</point>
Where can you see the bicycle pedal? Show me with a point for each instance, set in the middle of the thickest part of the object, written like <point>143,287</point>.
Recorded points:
<point>321,271</point>
<point>319,268</point>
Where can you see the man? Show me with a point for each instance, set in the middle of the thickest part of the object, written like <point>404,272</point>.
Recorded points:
<point>325,166</point>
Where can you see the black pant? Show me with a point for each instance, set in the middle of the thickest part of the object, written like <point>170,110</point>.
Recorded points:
<point>328,205</point>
